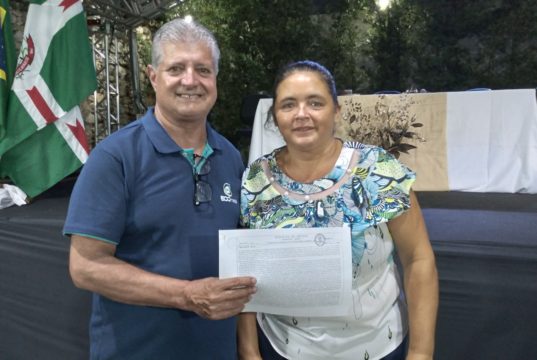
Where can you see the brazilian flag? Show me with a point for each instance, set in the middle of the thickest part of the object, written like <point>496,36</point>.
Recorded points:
<point>7,62</point>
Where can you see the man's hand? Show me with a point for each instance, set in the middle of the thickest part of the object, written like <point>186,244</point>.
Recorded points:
<point>216,299</point>
<point>94,267</point>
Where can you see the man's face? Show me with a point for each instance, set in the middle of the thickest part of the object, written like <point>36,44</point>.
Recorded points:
<point>184,82</point>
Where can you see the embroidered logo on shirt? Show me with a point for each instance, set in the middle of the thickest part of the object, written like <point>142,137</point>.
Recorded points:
<point>227,197</point>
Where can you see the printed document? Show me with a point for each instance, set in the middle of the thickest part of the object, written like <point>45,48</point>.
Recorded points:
<point>299,271</point>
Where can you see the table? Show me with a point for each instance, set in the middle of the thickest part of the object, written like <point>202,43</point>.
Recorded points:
<point>475,141</point>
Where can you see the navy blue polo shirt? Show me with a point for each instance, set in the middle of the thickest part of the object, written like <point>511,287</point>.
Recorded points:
<point>137,191</point>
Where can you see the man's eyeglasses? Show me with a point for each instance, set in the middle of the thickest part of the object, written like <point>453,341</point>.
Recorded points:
<point>202,189</point>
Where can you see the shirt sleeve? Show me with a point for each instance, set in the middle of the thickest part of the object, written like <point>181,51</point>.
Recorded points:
<point>255,188</point>
<point>98,203</point>
<point>249,192</point>
<point>388,184</point>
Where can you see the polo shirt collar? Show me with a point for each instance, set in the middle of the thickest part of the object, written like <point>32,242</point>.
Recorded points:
<point>164,144</point>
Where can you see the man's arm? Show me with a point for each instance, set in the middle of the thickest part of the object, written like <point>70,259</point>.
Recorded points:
<point>421,279</point>
<point>94,267</point>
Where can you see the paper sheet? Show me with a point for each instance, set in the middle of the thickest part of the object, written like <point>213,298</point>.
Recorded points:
<point>299,271</point>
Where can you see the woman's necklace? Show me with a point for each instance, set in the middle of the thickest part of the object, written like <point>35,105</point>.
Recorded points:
<point>348,161</point>
<point>307,173</point>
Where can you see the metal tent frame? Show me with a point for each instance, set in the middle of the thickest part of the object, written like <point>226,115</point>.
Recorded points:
<point>108,21</point>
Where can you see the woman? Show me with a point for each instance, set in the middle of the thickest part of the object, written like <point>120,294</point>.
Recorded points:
<point>316,180</point>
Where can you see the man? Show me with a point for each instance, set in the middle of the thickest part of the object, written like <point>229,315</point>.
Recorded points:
<point>145,213</point>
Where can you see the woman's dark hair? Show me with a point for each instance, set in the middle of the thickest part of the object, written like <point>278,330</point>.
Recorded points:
<point>303,65</point>
<point>306,65</point>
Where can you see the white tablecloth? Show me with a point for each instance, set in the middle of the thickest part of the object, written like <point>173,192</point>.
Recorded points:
<point>477,141</point>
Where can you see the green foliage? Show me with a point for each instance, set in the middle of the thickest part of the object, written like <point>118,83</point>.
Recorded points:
<point>343,44</point>
<point>439,45</point>
<point>389,46</point>
<point>447,45</point>
<point>257,37</point>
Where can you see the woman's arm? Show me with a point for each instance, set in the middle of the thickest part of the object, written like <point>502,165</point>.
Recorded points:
<point>420,279</point>
<point>248,344</point>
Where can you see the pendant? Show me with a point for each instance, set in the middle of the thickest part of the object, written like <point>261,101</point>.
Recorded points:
<point>320,209</point>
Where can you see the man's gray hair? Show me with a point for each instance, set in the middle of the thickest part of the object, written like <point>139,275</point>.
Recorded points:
<point>182,31</point>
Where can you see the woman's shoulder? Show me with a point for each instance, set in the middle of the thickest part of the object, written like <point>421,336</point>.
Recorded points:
<point>267,158</point>
<point>369,154</point>
<point>377,163</point>
<point>385,180</point>
<point>363,148</point>
<point>254,172</point>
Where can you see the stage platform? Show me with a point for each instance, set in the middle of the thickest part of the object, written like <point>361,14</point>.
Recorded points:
<point>486,252</point>
<point>485,244</point>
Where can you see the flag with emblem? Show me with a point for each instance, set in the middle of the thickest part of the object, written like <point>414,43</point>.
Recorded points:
<point>44,138</point>
<point>7,61</point>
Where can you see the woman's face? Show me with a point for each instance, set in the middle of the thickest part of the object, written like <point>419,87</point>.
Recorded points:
<point>305,111</point>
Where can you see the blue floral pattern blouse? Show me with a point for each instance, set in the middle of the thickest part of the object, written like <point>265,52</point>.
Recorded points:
<point>366,188</point>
